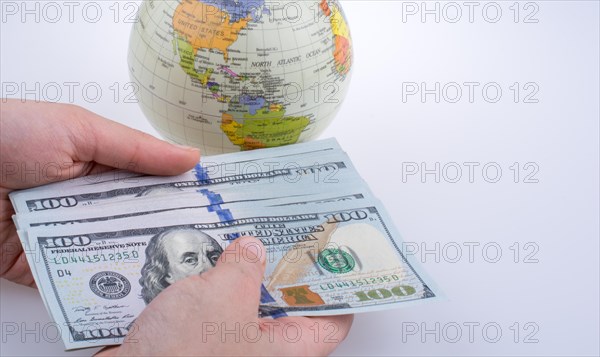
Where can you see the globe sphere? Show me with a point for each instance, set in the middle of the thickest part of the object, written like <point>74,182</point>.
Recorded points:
<point>231,75</point>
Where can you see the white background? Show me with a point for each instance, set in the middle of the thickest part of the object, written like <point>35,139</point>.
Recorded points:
<point>549,296</point>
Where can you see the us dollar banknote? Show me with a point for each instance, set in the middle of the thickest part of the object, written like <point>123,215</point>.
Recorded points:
<point>322,259</point>
<point>308,166</point>
<point>184,204</point>
<point>188,203</point>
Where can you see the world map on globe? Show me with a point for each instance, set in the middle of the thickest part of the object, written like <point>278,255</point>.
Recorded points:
<point>226,75</point>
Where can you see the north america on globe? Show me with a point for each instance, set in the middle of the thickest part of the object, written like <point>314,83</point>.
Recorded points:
<point>231,75</point>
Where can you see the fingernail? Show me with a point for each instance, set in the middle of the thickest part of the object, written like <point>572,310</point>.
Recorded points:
<point>188,148</point>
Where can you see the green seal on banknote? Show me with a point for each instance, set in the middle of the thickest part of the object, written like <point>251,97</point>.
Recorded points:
<point>336,261</point>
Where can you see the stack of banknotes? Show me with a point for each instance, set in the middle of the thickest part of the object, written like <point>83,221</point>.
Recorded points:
<point>102,247</point>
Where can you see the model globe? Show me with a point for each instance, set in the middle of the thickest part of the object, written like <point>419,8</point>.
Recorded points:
<point>227,76</point>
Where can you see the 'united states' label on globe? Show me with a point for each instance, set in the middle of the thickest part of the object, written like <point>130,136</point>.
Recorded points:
<point>227,76</point>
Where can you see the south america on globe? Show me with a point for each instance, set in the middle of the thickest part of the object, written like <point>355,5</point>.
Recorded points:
<point>227,75</point>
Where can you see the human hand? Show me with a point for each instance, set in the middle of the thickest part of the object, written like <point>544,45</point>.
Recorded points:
<point>47,142</point>
<point>216,314</point>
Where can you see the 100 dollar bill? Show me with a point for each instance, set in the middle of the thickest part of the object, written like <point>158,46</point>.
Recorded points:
<point>321,260</point>
<point>307,165</point>
<point>185,203</point>
<point>305,174</point>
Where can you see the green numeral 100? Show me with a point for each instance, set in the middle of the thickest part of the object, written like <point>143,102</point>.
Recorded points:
<point>380,294</point>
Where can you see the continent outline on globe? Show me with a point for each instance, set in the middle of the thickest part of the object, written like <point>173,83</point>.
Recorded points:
<point>227,76</point>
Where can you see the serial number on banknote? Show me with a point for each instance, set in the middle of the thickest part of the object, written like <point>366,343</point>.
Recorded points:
<point>96,258</point>
<point>360,282</point>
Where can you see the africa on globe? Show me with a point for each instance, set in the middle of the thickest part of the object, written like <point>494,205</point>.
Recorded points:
<point>227,75</point>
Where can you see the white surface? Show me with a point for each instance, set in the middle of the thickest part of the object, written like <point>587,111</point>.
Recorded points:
<point>557,296</point>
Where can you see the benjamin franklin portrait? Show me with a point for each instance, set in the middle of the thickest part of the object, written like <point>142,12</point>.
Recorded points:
<point>175,254</point>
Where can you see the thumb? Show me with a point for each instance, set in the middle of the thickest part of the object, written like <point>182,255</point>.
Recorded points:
<point>116,145</point>
<point>239,274</point>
